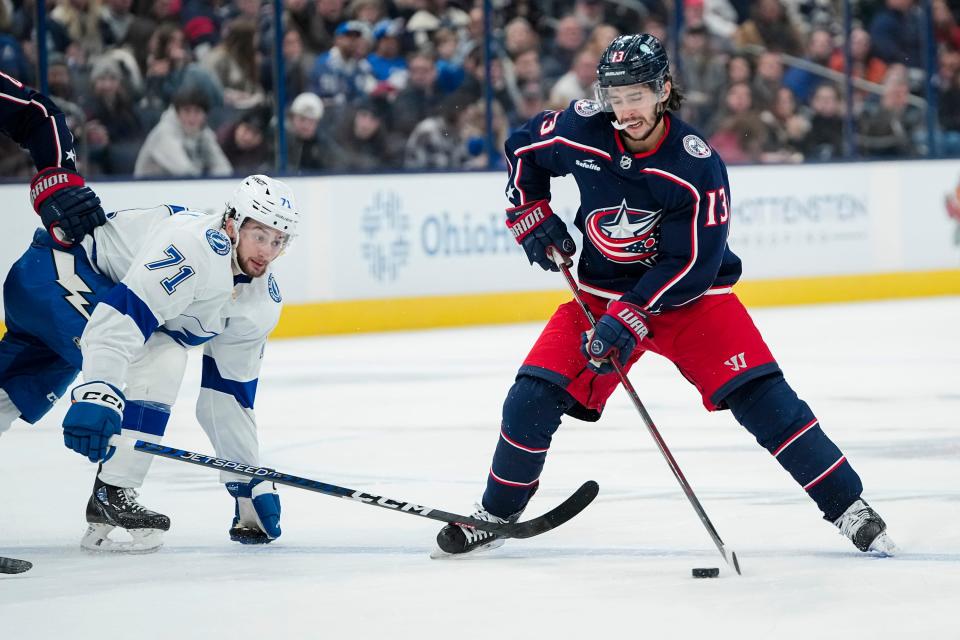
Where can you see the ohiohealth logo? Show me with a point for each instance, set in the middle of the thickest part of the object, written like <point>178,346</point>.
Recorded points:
<point>384,226</point>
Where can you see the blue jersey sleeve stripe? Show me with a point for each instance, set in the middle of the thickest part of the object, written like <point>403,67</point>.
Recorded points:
<point>210,378</point>
<point>129,304</point>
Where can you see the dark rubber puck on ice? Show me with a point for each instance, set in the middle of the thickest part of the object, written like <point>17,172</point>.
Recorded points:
<point>712,572</point>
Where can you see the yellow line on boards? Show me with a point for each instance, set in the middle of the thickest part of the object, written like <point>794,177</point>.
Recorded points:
<point>398,314</point>
<point>427,312</point>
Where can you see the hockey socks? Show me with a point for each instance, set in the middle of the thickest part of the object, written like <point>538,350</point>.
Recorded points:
<point>785,426</point>
<point>531,415</point>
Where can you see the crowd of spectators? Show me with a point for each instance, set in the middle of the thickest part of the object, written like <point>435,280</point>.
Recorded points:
<point>186,87</point>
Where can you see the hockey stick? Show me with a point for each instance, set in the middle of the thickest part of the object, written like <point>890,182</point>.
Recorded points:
<point>728,554</point>
<point>566,510</point>
<point>12,565</point>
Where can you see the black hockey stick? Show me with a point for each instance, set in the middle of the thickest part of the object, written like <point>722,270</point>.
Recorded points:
<point>728,554</point>
<point>12,565</point>
<point>567,509</point>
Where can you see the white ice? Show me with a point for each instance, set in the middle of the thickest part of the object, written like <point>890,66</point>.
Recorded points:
<point>415,416</point>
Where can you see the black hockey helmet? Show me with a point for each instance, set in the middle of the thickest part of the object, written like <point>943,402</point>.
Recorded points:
<point>633,59</point>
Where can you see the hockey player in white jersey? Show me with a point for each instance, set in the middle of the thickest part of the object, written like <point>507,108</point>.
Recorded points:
<point>124,306</point>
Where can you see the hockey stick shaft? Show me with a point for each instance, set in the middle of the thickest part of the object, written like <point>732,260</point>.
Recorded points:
<point>527,529</point>
<point>729,555</point>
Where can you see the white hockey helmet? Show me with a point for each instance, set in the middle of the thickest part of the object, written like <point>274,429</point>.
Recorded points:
<point>267,201</point>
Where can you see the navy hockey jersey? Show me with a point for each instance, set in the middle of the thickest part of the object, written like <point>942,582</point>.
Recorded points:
<point>36,124</point>
<point>654,224</point>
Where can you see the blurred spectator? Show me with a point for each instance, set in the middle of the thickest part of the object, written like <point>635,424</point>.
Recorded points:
<point>113,132</point>
<point>234,63</point>
<point>433,15</point>
<point>387,59</point>
<point>532,101</point>
<point>897,34</point>
<point>569,37</point>
<point>721,18</point>
<point>949,79</point>
<point>247,142</point>
<point>309,148</point>
<point>767,80</point>
<point>527,68</point>
<point>364,139</point>
<point>121,28</point>
<point>946,30</point>
<point>435,142</point>
<point>13,60</point>
<point>519,37</point>
<point>865,65</point>
<point>420,98</point>
<point>589,13</point>
<point>182,144</point>
<point>474,82</point>
<point>786,129</point>
<point>739,68</point>
<point>369,11</point>
<point>343,74</point>
<point>824,140</point>
<point>577,83</point>
<point>737,100</point>
<point>81,21</point>
<point>601,37</point>
<point>200,25</point>
<point>889,127</point>
<point>770,27</point>
<point>169,68</point>
<point>449,67</point>
<point>473,133</point>
<point>298,64</point>
<point>740,139</point>
<point>819,51</point>
<point>315,22</point>
<point>15,162</point>
<point>701,76</point>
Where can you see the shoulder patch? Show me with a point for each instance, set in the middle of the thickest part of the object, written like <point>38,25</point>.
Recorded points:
<point>587,108</point>
<point>219,242</point>
<point>273,288</point>
<point>696,147</point>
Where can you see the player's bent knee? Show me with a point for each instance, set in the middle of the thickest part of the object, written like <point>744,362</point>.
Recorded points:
<point>533,409</point>
<point>769,409</point>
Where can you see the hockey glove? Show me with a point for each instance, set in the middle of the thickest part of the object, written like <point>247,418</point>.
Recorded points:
<point>535,227</point>
<point>617,333</point>
<point>256,514</point>
<point>94,416</point>
<point>68,208</point>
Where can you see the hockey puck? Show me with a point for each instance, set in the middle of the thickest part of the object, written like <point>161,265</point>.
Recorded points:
<point>712,572</point>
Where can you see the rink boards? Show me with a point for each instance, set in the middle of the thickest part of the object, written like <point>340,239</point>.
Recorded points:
<point>403,251</point>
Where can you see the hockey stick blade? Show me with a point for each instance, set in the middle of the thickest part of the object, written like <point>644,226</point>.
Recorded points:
<point>566,510</point>
<point>12,565</point>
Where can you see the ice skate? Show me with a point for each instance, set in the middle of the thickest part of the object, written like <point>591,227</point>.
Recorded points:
<point>112,508</point>
<point>866,529</point>
<point>460,539</point>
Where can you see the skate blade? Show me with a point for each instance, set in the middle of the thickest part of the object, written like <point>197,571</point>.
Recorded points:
<point>883,545</point>
<point>97,540</point>
<point>440,554</point>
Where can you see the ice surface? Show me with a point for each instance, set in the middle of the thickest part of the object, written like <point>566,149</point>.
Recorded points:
<point>415,416</point>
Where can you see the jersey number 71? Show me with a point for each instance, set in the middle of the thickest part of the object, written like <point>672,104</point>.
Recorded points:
<point>174,257</point>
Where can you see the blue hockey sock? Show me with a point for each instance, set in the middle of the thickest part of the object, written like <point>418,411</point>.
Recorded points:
<point>147,417</point>
<point>531,415</point>
<point>785,426</point>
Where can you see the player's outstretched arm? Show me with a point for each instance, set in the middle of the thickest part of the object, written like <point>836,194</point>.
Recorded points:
<point>67,207</point>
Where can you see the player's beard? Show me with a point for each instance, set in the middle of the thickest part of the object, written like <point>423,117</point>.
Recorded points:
<point>251,269</point>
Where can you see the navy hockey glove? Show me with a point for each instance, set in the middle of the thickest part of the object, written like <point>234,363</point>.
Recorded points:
<point>535,227</point>
<point>617,333</point>
<point>94,416</point>
<point>68,208</point>
<point>256,514</point>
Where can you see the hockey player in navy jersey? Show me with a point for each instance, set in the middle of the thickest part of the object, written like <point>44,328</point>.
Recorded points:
<point>656,271</point>
<point>68,208</point>
<point>124,305</point>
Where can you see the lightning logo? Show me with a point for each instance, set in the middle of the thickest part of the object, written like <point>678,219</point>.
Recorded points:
<point>72,283</point>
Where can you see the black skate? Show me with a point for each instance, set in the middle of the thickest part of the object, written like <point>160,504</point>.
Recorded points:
<point>113,507</point>
<point>461,539</point>
<point>866,529</point>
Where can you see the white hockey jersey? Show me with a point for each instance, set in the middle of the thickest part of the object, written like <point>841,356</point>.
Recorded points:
<point>177,288</point>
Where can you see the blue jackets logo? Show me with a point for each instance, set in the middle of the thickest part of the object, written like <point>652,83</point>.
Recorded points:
<point>219,242</point>
<point>625,235</point>
<point>273,288</point>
